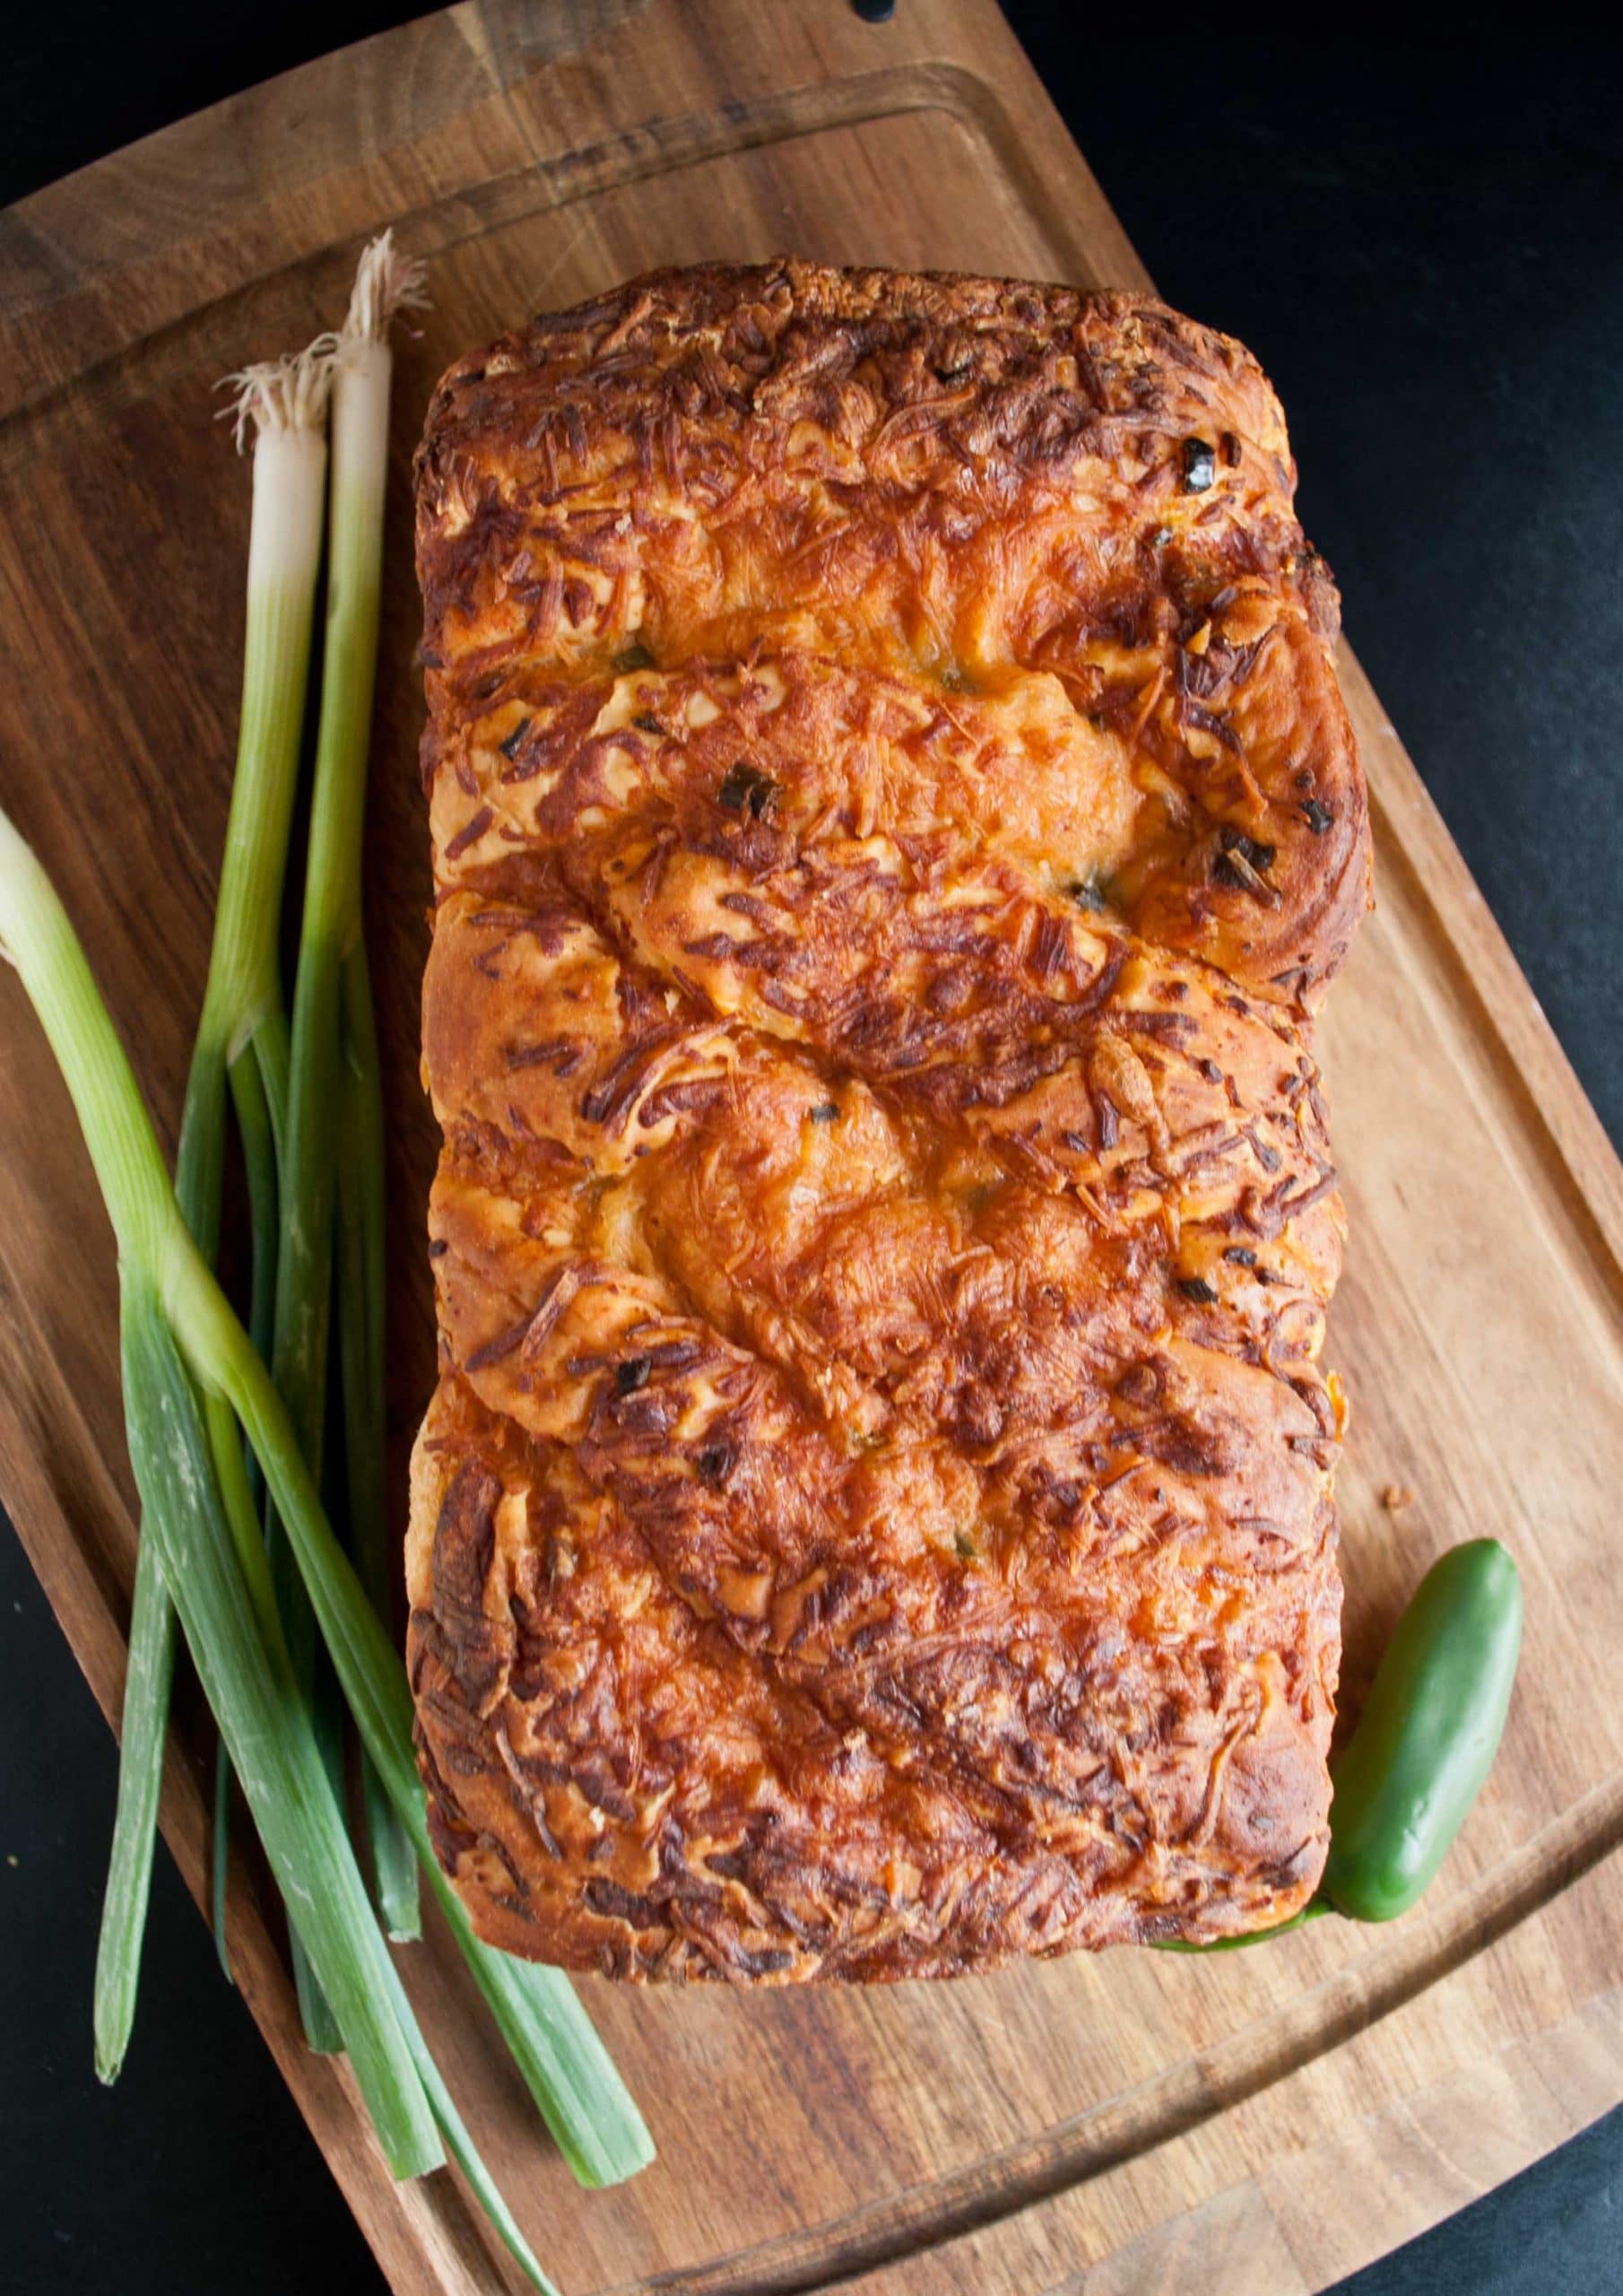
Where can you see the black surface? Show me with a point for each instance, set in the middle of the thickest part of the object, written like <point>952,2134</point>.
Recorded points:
<point>1424,245</point>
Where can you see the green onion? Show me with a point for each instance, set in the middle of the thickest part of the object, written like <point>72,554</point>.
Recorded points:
<point>597,2126</point>
<point>179,1328</point>
<point>335,1100</point>
<point>244,1671</point>
<point>309,1114</point>
<point>241,1044</point>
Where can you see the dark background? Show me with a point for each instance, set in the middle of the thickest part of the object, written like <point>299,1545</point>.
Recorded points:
<point>1424,245</point>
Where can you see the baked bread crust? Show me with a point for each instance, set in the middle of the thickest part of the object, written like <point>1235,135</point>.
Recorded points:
<point>893,816</point>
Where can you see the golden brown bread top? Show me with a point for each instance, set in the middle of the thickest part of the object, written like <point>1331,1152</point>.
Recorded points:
<point>891,808</point>
<point>961,482</point>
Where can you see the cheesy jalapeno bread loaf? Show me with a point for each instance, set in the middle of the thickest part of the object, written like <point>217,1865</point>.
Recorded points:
<point>893,818</point>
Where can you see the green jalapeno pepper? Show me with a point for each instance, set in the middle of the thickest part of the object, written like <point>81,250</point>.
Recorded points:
<point>1428,1735</point>
<point>1424,1744</point>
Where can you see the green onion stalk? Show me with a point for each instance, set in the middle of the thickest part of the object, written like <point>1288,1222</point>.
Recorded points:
<point>331,1213</point>
<point>241,1050</point>
<point>187,1357</point>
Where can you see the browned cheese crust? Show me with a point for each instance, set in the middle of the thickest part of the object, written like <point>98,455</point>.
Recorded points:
<point>892,816</point>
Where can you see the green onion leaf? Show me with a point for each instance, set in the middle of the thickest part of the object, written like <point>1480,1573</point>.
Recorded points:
<point>147,1713</point>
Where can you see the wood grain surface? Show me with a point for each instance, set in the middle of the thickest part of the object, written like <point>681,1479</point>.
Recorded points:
<point>1265,2121</point>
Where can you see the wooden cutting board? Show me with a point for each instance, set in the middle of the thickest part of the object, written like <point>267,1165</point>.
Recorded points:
<point>1271,2120</point>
